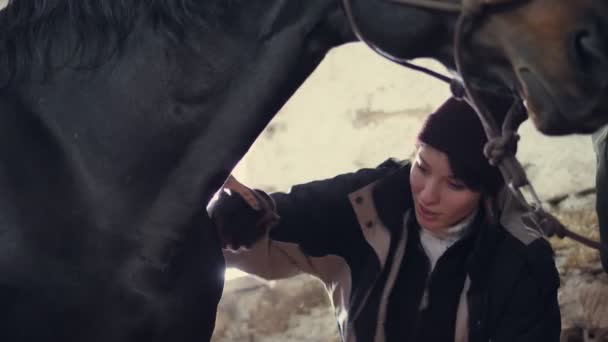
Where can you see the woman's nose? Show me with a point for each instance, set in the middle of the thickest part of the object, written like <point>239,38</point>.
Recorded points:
<point>429,194</point>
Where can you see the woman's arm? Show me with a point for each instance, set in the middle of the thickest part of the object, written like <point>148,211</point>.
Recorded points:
<point>316,225</point>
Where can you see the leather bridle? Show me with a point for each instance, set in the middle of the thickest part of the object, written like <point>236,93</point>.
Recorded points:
<point>469,12</point>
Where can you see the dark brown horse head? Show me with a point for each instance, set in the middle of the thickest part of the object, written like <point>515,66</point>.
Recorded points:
<point>556,55</point>
<point>553,52</point>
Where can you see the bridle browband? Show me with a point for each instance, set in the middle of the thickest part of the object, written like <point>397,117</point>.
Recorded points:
<point>469,11</point>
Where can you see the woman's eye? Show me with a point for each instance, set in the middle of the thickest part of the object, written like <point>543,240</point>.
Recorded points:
<point>422,169</point>
<point>457,186</point>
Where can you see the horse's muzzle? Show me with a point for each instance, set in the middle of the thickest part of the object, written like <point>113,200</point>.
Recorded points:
<point>556,113</point>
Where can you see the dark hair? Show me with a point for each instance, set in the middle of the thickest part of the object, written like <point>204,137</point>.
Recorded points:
<point>469,175</point>
<point>455,129</point>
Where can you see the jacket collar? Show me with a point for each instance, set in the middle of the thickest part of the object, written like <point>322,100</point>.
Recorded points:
<point>393,197</point>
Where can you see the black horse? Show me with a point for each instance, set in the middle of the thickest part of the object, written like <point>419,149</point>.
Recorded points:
<point>120,119</point>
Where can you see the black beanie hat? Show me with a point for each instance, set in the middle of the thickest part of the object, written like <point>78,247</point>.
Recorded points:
<point>456,130</point>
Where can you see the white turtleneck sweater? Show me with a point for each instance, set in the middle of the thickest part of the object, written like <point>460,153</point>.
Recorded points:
<point>435,245</point>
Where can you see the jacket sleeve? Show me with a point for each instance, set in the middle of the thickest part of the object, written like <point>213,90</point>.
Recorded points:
<point>532,312</point>
<point>317,225</point>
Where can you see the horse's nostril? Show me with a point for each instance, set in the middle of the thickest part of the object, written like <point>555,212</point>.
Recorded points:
<point>580,51</point>
<point>593,46</point>
<point>591,52</point>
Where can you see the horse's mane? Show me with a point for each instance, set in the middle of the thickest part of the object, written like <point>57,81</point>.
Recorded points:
<point>28,28</point>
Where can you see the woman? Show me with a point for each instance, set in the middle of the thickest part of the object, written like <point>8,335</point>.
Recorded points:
<point>408,251</point>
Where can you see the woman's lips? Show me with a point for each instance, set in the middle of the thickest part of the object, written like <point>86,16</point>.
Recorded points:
<point>427,214</point>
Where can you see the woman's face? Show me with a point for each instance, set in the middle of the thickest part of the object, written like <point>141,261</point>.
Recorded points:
<point>440,200</point>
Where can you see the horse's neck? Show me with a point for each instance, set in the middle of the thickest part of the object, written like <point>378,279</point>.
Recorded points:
<point>404,31</point>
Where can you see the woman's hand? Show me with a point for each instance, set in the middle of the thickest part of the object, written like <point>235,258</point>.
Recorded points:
<point>242,215</point>
<point>246,193</point>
